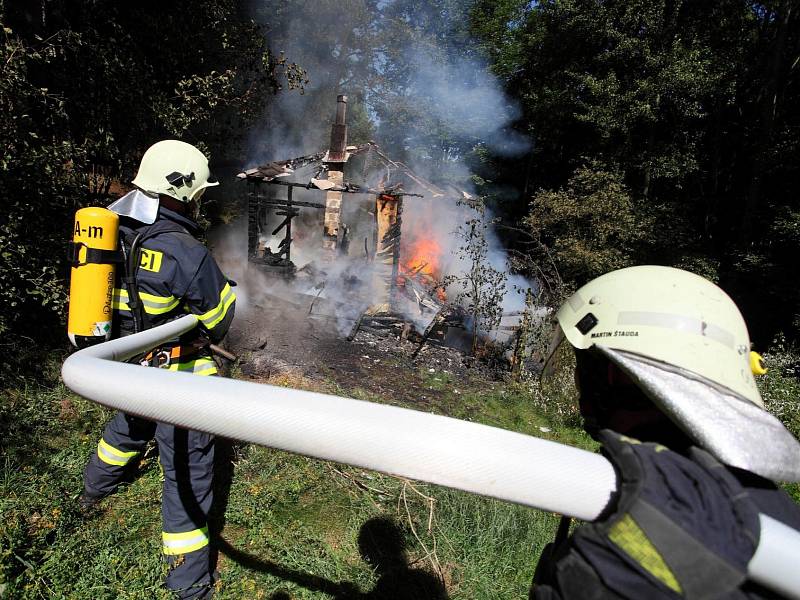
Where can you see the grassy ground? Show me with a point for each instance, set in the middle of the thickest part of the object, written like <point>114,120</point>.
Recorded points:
<point>780,389</point>
<point>286,526</point>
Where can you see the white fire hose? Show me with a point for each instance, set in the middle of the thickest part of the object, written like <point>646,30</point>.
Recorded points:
<point>449,452</point>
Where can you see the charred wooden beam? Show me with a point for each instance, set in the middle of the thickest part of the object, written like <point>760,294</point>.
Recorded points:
<point>283,224</point>
<point>426,185</point>
<point>280,168</point>
<point>388,215</point>
<point>252,223</point>
<point>437,318</point>
<point>344,187</point>
<point>286,204</point>
<point>356,326</point>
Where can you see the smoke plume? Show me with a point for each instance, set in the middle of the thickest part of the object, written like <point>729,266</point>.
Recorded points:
<point>445,96</point>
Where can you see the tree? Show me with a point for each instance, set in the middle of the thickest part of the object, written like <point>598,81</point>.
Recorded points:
<point>691,103</point>
<point>481,287</point>
<point>590,227</point>
<point>86,88</point>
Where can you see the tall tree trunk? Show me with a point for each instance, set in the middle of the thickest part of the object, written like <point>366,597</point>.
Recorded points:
<point>769,105</point>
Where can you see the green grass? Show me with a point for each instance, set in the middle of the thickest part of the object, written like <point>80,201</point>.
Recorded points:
<point>301,518</point>
<point>47,550</point>
<point>288,525</point>
<point>780,389</point>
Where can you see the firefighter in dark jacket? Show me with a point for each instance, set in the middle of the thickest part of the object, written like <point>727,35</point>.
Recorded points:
<point>174,274</point>
<point>665,378</point>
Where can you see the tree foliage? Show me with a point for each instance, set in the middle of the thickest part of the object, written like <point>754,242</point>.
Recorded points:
<point>481,286</point>
<point>86,87</point>
<point>589,227</point>
<point>694,104</point>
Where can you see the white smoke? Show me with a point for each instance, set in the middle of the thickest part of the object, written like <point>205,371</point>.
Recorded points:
<point>453,93</point>
<point>467,100</point>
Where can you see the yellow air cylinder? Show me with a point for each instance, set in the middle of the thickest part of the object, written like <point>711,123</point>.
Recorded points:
<point>92,283</point>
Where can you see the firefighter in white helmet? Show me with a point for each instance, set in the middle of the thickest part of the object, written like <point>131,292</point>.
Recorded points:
<point>665,378</point>
<point>168,273</point>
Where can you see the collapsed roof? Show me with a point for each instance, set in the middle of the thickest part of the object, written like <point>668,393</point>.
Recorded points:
<point>271,171</point>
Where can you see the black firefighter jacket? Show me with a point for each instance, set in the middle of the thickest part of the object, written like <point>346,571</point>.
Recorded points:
<point>176,276</point>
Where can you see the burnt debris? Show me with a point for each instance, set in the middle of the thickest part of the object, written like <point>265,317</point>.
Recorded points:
<point>374,290</point>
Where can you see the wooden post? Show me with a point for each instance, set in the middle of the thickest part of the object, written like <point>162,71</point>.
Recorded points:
<point>288,236</point>
<point>333,212</point>
<point>388,214</point>
<point>337,156</point>
<point>253,206</point>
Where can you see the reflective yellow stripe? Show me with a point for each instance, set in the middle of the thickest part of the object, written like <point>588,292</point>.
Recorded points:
<point>216,314</point>
<point>162,303</point>
<point>110,455</point>
<point>626,534</point>
<point>188,541</point>
<point>119,300</point>
<point>153,305</point>
<point>200,366</point>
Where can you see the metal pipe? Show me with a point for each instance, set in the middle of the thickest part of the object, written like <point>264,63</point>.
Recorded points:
<point>341,110</point>
<point>458,454</point>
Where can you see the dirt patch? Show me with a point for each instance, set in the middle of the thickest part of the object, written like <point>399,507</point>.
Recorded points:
<point>279,340</point>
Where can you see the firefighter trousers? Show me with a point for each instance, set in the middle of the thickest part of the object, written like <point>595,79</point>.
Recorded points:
<point>187,462</point>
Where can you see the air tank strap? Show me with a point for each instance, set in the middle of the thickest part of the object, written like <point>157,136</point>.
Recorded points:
<point>93,255</point>
<point>140,320</point>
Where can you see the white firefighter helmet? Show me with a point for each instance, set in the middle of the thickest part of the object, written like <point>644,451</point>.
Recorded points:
<point>683,341</point>
<point>175,169</point>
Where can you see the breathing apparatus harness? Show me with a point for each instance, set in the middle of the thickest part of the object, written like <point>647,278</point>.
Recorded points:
<point>162,356</point>
<point>91,255</point>
<point>99,246</point>
<point>133,258</point>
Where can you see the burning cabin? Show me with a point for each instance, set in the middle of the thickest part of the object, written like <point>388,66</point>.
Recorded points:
<point>313,189</point>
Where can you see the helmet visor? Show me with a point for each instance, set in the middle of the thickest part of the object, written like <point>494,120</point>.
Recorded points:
<point>736,431</point>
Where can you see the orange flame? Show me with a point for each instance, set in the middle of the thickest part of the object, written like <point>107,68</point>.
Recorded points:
<point>422,255</point>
